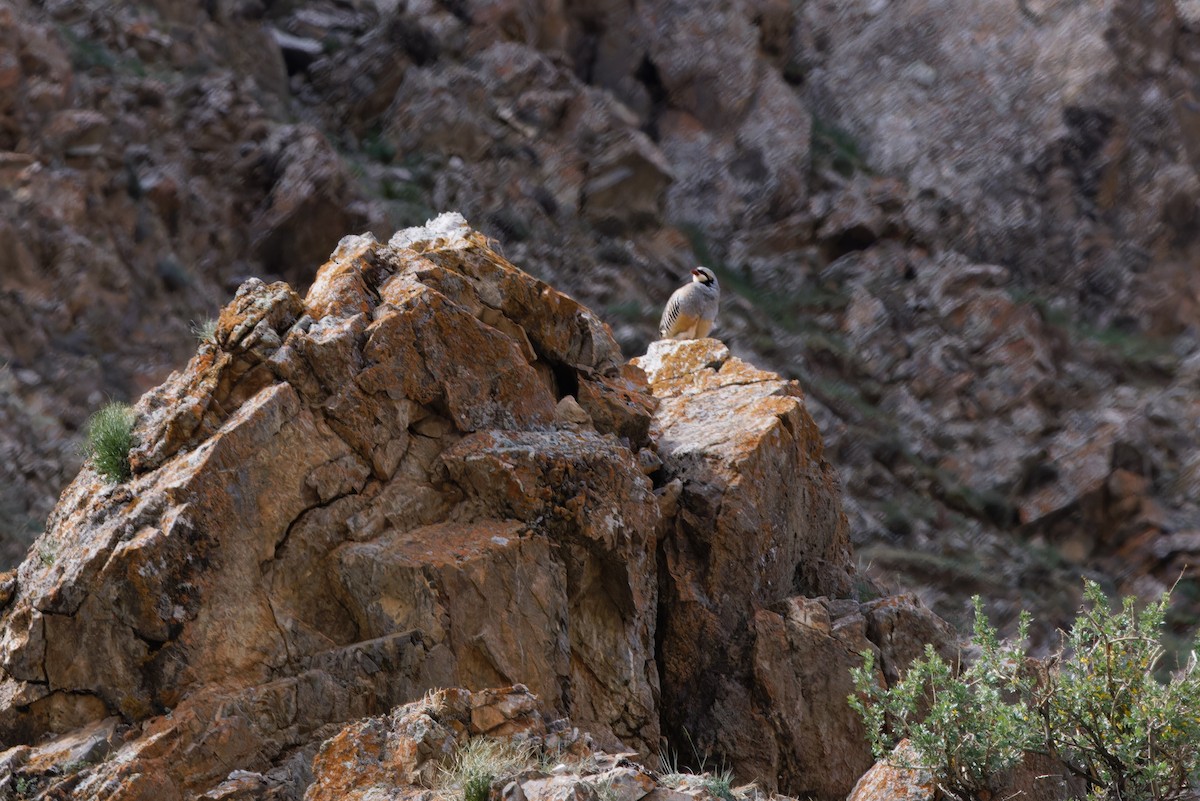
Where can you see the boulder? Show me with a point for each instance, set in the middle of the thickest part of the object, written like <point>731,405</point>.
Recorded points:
<point>324,506</point>
<point>760,622</point>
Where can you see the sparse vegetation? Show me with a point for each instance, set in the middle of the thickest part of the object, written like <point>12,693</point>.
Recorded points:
<point>1117,344</point>
<point>404,185</point>
<point>205,331</point>
<point>603,790</point>
<point>74,766</point>
<point>1096,704</point>
<point>87,54</point>
<point>47,552</point>
<point>377,146</point>
<point>109,440</point>
<point>718,783</point>
<point>670,774</point>
<point>481,762</point>
<point>834,148</point>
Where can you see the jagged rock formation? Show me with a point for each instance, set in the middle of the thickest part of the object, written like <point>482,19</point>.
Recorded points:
<point>977,261</point>
<point>759,510</point>
<point>435,470</point>
<point>405,753</point>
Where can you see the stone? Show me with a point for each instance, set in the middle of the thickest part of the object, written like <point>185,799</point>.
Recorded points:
<point>625,186</point>
<point>889,779</point>
<point>737,665</point>
<point>268,566</point>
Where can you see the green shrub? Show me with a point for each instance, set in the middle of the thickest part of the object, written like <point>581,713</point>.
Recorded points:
<point>966,729</point>
<point>109,440</point>
<point>1106,714</point>
<point>1096,705</point>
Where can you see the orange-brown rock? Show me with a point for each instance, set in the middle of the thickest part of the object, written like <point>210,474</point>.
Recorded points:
<point>344,500</point>
<point>899,777</point>
<point>896,779</point>
<point>755,667</point>
<point>411,745</point>
<point>437,471</point>
<point>408,754</point>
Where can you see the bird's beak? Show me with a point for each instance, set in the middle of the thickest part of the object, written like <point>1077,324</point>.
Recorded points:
<point>695,273</point>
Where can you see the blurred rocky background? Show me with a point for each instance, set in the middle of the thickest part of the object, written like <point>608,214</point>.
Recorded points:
<point>968,228</point>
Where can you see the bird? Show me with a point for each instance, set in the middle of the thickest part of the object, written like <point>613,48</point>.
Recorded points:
<point>692,308</point>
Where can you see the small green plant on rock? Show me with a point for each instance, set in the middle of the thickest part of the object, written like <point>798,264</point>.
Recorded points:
<point>109,440</point>
<point>47,552</point>
<point>205,331</point>
<point>603,790</point>
<point>670,774</point>
<point>73,766</point>
<point>719,785</point>
<point>481,762</point>
<point>835,148</point>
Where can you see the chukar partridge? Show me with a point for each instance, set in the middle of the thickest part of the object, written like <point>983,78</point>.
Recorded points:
<point>691,311</point>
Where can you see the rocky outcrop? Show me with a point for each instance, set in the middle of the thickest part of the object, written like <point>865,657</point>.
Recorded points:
<point>351,498</point>
<point>404,754</point>
<point>967,254</point>
<point>432,471</point>
<point>752,640</point>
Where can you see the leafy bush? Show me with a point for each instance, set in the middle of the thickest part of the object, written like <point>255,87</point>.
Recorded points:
<point>1108,717</point>
<point>1096,705</point>
<point>109,440</point>
<point>966,728</point>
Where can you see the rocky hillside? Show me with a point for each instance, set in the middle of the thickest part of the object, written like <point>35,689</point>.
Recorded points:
<point>966,228</point>
<point>435,470</point>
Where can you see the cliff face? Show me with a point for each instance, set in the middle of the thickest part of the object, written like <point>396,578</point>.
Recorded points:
<point>969,232</point>
<point>436,470</point>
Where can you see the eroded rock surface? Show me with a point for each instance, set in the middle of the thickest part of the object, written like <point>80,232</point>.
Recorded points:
<point>435,470</point>
<point>760,624</point>
<point>410,753</point>
<point>344,500</point>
